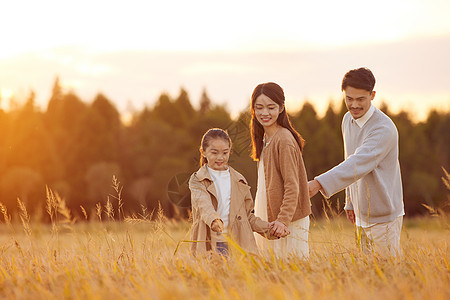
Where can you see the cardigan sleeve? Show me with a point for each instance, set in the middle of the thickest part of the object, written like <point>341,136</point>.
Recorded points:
<point>289,157</point>
<point>201,200</point>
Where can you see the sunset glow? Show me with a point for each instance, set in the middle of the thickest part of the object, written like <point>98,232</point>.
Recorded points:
<point>212,26</point>
<point>91,45</point>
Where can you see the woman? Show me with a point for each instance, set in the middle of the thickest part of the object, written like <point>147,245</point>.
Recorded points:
<point>282,194</point>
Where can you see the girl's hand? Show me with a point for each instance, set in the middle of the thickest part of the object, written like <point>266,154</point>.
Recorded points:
<point>279,229</point>
<point>217,225</point>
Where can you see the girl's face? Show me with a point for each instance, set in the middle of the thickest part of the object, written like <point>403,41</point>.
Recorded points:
<point>217,154</point>
<point>267,111</point>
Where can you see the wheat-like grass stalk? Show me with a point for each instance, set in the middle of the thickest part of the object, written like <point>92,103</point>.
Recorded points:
<point>51,208</point>
<point>24,217</point>
<point>145,215</point>
<point>118,188</point>
<point>446,178</point>
<point>99,211</point>
<point>160,218</point>
<point>431,210</point>
<point>50,202</point>
<point>56,205</point>
<point>63,210</point>
<point>84,212</point>
<point>109,209</point>
<point>6,217</point>
<point>160,214</point>
<point>136,220</point>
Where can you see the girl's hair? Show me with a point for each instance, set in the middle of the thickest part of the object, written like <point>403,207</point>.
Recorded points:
<point>276,94</point>
<point>213,133</point>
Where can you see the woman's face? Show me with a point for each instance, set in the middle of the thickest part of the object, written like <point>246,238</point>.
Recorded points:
<point>267,111</point>
<point>217,154</point>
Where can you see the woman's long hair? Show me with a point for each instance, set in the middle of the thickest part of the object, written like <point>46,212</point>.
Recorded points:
<point>276,94</point>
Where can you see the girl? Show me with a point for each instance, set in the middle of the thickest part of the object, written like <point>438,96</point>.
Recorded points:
<point>282,194</point>
<point>221,200</point>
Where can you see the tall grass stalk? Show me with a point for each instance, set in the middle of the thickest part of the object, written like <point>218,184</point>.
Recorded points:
<point>6,217</point>
<point>24,217</point>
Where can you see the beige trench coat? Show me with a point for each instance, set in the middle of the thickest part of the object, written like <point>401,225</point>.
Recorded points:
<point>242,221</point>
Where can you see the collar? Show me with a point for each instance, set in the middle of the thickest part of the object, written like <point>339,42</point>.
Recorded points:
<point>203,174</point>
<point>361,121</point>
<point>219,173</point>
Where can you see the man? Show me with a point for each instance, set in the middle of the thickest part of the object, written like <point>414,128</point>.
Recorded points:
<point>370,172</point>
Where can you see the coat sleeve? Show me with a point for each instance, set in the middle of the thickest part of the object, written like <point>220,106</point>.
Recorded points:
<point>257,224</point>
<point>201,200</point>
<point>289,158</point>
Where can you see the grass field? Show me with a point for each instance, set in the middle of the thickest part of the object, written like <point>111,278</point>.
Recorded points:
<point>140,259</point>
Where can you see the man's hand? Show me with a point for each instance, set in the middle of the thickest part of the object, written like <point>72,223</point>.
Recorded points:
<point>279,229</point>
<point>217,225</point>
<point>350,215</point>
<point>314,187</point>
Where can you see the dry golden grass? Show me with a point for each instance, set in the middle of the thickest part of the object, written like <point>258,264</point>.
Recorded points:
<point>140,259</point>
<point>111,255</point>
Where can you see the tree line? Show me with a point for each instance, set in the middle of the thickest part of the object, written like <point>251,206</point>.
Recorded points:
<point>75,148</point>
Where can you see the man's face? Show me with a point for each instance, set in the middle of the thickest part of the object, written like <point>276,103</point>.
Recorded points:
<point>358,101</point>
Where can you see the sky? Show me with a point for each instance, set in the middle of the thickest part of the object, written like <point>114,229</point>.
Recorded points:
<point>132,51</point>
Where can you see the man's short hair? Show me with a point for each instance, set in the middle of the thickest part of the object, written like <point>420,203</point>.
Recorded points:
<point>361,78</point>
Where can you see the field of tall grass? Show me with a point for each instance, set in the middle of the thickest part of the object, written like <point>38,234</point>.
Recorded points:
<point>139,257</point>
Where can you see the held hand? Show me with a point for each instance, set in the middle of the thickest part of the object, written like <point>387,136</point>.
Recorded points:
<point>217,225</point>
<point>350,216</point>
<point>313,187</point>
<point>286,232</point>
<point>279,229</point>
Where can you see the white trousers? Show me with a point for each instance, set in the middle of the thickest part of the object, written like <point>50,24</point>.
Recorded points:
<point>382,238</point>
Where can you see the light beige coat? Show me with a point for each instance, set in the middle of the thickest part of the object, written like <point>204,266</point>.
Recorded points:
<point>242,221</point>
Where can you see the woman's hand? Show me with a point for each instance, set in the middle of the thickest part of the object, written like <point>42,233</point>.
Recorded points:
<point>279,229</point>
<point>217,225</point>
